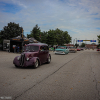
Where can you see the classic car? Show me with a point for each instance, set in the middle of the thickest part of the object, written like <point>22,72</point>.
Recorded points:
<point>78,49</point>
<point>82,48</point>
<point>34,55</point>
<point>62,50</point>
<point>72,49</point>
<point>98,49</point>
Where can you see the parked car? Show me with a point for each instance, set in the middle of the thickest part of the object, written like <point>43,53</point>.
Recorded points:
<point>98,49</point>
<point>62,50</point>
<point>72,49</point>
<point>78,49</point>
<point>82,48</point>
<point>34,55</point>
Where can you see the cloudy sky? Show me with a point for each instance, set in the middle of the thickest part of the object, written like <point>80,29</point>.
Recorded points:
<point>81,18</point>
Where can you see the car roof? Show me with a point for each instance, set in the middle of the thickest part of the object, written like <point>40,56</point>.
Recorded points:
<point>37,44</point>
<point>62,46</point>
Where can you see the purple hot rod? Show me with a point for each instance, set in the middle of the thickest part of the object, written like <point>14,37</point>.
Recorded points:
<point>34,55</point>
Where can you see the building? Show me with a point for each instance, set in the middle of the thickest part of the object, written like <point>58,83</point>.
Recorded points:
<point>91,46</point>
<point>69,45</point>
<point>10,45</point>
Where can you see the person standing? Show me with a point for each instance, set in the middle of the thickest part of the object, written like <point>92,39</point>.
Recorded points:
<point>18,49</point>
<point>14,48</point>
<point>54,48</point>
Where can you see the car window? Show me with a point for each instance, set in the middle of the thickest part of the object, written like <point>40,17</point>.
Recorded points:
<point>42,48</point>
<point>61,47</point>
<point>31,48</point>
<point>46,48</point>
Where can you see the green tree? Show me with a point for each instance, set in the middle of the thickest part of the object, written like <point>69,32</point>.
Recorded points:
<point>36,33</point>
<point>10,31</point>
<point>83,45</point>
<point>59,36</point>
<point>67,37</point>
<point>62,37</point>
<point>43,37</point>
<point>76,45</point>
<point>51,37</point>
<point>98,38</point>
<point>29,36</point>
<point>98,46</point>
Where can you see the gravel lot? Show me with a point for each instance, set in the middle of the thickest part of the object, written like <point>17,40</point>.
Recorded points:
<point>75,76</point>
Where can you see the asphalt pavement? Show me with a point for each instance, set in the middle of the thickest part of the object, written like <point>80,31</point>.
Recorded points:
<point>75,76</point>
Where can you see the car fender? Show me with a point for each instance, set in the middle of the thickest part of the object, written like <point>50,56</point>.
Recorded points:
<point>15,59</point>
<point>34,60</point>
<point>49,55</point>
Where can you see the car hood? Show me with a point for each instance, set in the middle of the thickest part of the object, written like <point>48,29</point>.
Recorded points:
<point>32,54</point>
<point>60,49</point>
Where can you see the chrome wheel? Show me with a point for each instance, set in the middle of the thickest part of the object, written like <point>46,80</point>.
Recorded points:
<point>49,59</point>
<point>36,64</point>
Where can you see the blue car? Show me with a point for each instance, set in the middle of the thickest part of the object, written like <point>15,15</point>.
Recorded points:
<point>62,50</point>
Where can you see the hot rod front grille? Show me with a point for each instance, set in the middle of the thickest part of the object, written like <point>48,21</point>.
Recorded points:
<point>22,59</point>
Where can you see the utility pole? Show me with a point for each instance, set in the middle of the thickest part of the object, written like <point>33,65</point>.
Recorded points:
<point>76,42</point>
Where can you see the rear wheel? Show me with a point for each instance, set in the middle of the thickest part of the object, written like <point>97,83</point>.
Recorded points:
<point>36,64</point>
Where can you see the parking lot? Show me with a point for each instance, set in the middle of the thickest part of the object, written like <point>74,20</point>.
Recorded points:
<point>75,76</point>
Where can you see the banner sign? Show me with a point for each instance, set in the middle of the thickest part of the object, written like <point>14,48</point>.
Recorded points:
<point>92,40</point>
<point>79,40</point>
<point>86,40</point>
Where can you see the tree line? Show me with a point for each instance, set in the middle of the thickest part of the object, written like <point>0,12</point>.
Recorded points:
<point>98,41</point>
<point>51,37</point>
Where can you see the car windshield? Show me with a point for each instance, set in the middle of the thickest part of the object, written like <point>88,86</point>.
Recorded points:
<point>31,48</point>
<point>61,47</point>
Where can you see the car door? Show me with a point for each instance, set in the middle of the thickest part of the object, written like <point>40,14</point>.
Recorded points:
<point>42,54</point>
<point>46,52</point>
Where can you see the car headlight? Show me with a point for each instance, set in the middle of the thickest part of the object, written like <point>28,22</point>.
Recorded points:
<point>18,58</point>
<point>27,59</point>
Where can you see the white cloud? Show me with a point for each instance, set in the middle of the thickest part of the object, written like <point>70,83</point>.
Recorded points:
<point>75,16</point>
<point>19,3</point>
